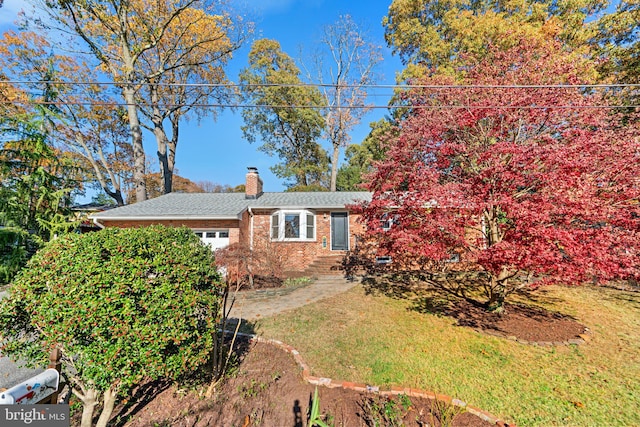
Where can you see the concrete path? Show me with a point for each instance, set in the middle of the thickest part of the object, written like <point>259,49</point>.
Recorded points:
<point>253,305</point>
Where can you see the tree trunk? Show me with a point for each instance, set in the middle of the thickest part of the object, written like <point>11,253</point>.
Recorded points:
<point>116,194</point>
<point>139,167</point>
<point>166,147</point>
<point>89,401</point>
<point>163,160</point>
<point>498,290</point>
<point>172,145</point>
<point>334,165</point>
<point>495,303</point>
<point>107,409</point>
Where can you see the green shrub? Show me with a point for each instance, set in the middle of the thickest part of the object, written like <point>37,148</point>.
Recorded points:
<point>124,304</point>
<point>16,246</point>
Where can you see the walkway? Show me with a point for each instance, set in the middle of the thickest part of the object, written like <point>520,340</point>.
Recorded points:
<point>253,305</point>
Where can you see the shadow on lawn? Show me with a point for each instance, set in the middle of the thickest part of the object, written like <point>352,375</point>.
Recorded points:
<point>625,295</point>
<point>521,313</point>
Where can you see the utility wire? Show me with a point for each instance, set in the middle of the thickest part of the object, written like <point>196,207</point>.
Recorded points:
<point>327,85</point>
<point>361,107</point>
<point>349,107</point>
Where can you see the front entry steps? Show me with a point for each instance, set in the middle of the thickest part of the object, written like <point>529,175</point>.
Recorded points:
<point>328,265</point>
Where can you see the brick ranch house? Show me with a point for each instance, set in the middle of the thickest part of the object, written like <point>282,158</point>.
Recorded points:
<point>310,230</point>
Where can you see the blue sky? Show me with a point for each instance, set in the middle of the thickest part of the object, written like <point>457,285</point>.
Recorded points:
<point>216,151</point>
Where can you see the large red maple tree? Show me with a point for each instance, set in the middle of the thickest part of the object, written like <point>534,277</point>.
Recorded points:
<point>520,183</point>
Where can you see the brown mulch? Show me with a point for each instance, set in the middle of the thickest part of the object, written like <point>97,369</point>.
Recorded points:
<point>523,322</point>
<point>261,282</point>
<point>268,390</point>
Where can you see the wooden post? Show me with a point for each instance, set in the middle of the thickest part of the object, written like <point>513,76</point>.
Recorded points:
<point>54,363</point>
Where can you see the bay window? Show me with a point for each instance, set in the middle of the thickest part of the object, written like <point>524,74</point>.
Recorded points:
<point>293,225</point>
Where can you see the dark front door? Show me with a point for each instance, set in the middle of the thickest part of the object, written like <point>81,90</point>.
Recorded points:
<point>339,231</point>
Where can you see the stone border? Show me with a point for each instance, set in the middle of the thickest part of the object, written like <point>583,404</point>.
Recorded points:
<point>364,388</point>
<point>582,338</point>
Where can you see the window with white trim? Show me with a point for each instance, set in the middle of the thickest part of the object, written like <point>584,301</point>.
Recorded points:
<point>293,225</point>
<point>387,221</point>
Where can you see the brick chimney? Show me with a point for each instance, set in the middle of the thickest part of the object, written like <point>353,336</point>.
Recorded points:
<point>253,185</point>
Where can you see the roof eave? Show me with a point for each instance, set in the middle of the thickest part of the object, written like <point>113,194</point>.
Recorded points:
<point>166,218</point>
<point>297,207</point>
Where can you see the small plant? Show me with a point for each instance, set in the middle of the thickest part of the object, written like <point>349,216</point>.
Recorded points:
<point>405,401</point>
<point>252,389</point>
<point>315,419</point>
<point>382,411</point>
<point>444,412</point>
<point>296,281</point>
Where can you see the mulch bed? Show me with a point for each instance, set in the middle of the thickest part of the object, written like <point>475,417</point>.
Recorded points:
<point>526,323</point>
<point>261,282</point>
<point>268,390</point>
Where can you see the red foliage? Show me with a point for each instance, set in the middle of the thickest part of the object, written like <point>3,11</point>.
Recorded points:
<point>550,191</point>
<point>243,264</point>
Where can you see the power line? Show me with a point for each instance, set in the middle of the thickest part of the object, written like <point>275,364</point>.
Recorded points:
<point>328,85</point>
<point>360,107</point>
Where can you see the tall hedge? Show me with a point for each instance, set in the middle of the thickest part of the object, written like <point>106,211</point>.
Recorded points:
<point>124,304</point>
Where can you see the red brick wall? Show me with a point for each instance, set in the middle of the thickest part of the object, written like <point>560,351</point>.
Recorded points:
<point>231,224</point>
<point>295,256</point>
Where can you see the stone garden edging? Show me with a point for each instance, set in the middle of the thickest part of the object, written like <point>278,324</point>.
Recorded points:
<point>259,294</point>
<point>347,385</point>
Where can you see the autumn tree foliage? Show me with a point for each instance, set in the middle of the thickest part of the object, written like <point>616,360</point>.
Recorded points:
<point>433,34</point>
<point>344,64</point>
<point>526,185</point>
<point>87,125</point>
<point>272,82</point>
<point>144,47</point>
<point>246,264</point>
<point>619,44</point>
<point>155,188</point>
<point>196,46</point>
<point>360,157</point>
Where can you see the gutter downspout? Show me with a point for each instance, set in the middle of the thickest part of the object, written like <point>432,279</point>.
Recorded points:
<point>95,221</point>
<point>250,228</point>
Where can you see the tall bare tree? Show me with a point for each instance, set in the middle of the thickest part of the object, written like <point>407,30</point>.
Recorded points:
<point>127,36</point>
<point>195,49</point>
<point>345,63</point>
<point>85,122</point>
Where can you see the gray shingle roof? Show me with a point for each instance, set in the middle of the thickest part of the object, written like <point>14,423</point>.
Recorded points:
<point>335,200</point>
<point>228,205</point>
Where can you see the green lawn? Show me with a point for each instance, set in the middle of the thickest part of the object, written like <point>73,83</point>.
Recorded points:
<point>379,340</point>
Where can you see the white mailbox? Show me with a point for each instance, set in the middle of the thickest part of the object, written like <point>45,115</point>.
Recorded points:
<point>32,390</point>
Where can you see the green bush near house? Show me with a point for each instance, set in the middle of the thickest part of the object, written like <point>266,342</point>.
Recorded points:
<point>124,304</point>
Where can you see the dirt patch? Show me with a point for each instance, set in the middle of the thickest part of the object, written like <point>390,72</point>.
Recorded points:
<point>525,323</point>
<point>522,322</point>
<point>267,390</point>
<point>261,282</point>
